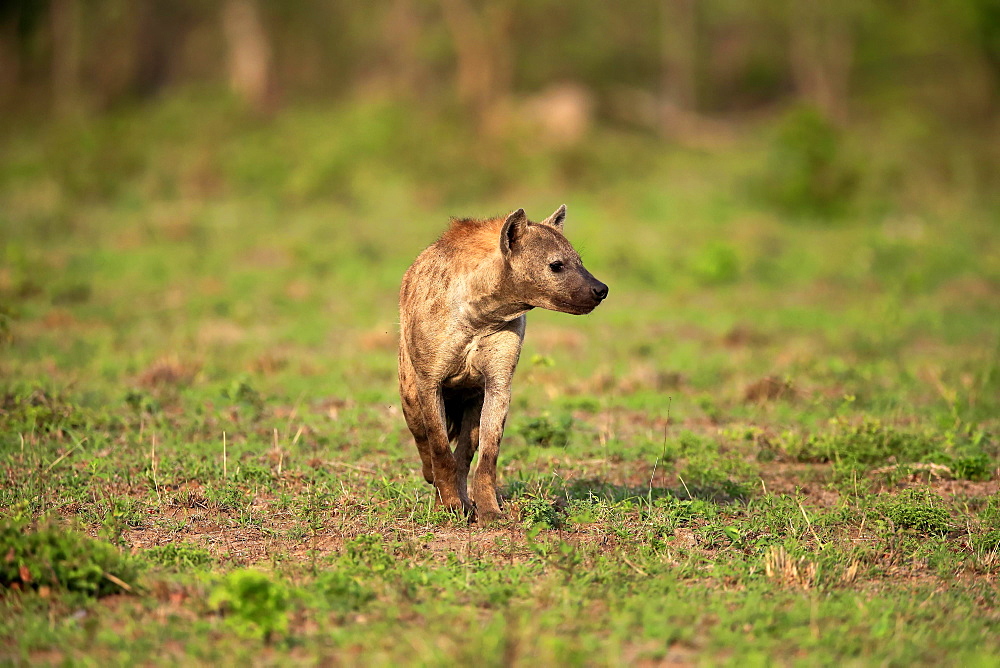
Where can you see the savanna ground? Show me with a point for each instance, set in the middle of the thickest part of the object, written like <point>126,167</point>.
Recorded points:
<point>775,442</point>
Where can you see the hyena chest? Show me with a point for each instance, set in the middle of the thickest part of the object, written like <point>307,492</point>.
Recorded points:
<point>485,357</point>
<point>468,365</point>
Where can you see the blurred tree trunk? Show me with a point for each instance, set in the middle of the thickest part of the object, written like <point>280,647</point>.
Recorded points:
<point>677,114</point>
<point>154,33</point>
<point>821,52</point>
<point>403,26</point>
<point>251,72</point>
<point>484,65</point>
<point>64,17</point>
<point>10,59</point>
<point>679,69</point>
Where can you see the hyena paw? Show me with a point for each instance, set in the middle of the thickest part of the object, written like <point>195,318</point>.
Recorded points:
<point>455,504</point>
<point>487,516</point>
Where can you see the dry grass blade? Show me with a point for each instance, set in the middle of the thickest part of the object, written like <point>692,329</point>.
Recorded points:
<point>118,581</point>
<point>66,454</point>
<point>786,570</point>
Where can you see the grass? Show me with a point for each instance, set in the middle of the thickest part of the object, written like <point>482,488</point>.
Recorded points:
<point>775,443</point>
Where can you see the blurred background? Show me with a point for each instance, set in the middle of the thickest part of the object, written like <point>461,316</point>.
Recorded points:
<point>459,98</point>
<point>239,185</point>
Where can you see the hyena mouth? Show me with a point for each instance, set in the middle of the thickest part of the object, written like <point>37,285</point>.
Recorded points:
<point>577,308</point>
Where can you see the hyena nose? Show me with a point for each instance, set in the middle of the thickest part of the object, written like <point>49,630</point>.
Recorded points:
<point>600,291</point>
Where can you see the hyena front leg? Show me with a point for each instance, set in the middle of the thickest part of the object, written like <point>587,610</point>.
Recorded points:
<point>484,484</point>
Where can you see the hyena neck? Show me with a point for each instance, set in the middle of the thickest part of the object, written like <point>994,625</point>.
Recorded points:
<point>491,301</point>
<point>487,312</point>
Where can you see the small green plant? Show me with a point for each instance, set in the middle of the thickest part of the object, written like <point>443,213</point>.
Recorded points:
<point>987,542</point>
<point>341,592</point>
<point>142,402</point>
<point>49,555</point>
<point>919,510</point>
<point>857,447</point>
<point>976,466</point>
<point>179,556</point>
<point>990,515</point>
<point>117,515</point>
<point>368,553</point>
<point>537,510</point>
<point>38,410</point>
<point>228,497</point>
<point>547,431</point>
<point>255,605</point>
<point>253,473</point>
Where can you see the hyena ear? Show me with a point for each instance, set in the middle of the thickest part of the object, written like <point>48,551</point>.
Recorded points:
<point>556,219</point>
<point>513,230</point>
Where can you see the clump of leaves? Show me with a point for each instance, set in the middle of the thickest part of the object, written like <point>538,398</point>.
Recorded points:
<point>919,510</point>
<point>975,466</point>
<point>368,554</point>
<point>872,443</point>
<point>868,443</point>
<point>536,510</point>
<point>179,556</point>
<point>52,556</point>
<point>340,591</point>
<point>255,605</point>
<point>991,513</point>
<point>228,497</point>
<point>39,411</point>
<point>116,515</point>
<point>547,431</point>
<point>987,542</point>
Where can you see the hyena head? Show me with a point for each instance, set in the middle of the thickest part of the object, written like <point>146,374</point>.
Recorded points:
<point>544,268</point>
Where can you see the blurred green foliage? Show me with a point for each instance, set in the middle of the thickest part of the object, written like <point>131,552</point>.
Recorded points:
<point>54,556</point>
<point>255,604</point>
<point>808,173</point>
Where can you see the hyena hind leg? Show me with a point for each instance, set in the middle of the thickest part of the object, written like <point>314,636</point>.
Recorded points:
<point>415,421</point>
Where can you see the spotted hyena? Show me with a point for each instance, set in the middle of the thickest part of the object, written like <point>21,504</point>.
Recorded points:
<point>462,310</point>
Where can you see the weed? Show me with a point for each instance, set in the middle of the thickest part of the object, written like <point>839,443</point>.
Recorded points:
<point>255,605</point>
<point>919,510</point>
<point>990,514</point>
<point>976,466</point>
<point>229,497</point>
<point>52,556</point>
<point>987,542</point>
<point>853,448</point>
<point>179,556</point>
<point>537,510</point>
<point>547,431</point>
<point>243,393</point>
<point>340,591</point>
<point>39,411</point>
<point>368,553</point>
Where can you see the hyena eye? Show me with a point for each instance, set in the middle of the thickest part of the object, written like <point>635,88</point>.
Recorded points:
<point>556,266</point>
